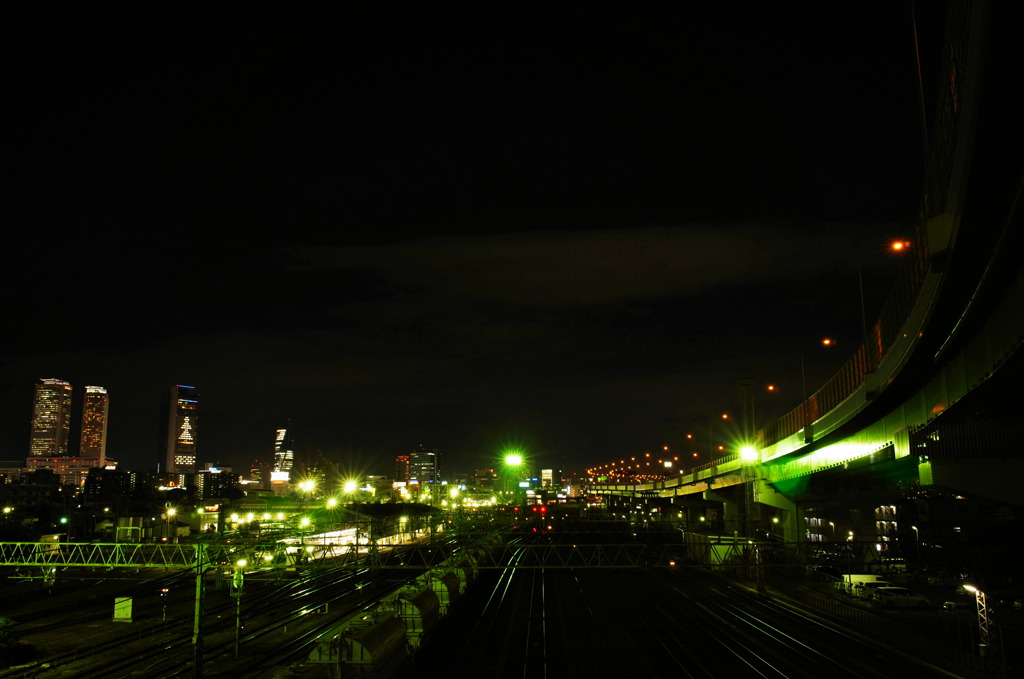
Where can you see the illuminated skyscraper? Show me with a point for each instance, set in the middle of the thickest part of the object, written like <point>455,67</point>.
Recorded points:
<point>51,419</point>
<point>402,468</point>
<point>182,429</point>
<point>423,466</point>
<point>284,458</point>
<point>94,424</point>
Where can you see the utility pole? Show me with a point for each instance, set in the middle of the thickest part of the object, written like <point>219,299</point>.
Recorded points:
<point>202,562</point>
<point>237,585</point>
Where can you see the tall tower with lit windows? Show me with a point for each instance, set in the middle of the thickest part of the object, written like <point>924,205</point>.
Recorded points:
<point>94,424</point>
<point>402,468</point>
<point>181,417</point>
<point>51,419</point>
<point>423,466</point>
<point>284,456</point>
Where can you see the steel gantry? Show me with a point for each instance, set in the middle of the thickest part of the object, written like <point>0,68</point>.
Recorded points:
<point>107,555</point>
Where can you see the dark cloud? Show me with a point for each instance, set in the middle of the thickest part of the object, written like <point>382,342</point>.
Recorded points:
<point>573,230</point>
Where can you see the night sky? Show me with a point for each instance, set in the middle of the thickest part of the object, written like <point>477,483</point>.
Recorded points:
<point>572,232</point>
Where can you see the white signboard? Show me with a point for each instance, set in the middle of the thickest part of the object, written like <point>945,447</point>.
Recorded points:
<point>123,609</point>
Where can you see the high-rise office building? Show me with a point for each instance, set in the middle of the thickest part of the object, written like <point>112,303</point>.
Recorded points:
<point>94,424</point>
<point>51,419</point>
<point>402,469</point>
<point>423,466</point>
<point>284,458</point>
<point>181,417</point>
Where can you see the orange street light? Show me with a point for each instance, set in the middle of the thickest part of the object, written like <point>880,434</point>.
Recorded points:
<point>825,342</point>
<point>896,247</point>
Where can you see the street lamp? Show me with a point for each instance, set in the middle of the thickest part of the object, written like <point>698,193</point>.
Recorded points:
<point>171,511</point>
<point>806,414</point>
<point>750,432</point>
<point>237,584</point>
<point>513,461</point>
<point>711,436</point>
<point>825,342</point>
<point>897,247</point>
<point>979,597</point>
<point>307,487</point>
<point>750,457</point>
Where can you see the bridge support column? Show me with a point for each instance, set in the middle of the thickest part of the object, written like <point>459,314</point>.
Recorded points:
<point>789,515</point>
<point>689,512</point>
<point>731,517</point>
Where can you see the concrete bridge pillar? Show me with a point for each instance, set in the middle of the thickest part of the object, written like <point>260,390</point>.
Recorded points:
<point>775,514</point>
<point>690,512</point>
<point>732,512</point>
<point>784,515</point>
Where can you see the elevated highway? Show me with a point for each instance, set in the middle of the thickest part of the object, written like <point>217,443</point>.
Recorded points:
<point>951,329</point>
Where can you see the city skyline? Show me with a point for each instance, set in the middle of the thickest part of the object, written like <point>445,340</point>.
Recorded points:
<point>51,433</point>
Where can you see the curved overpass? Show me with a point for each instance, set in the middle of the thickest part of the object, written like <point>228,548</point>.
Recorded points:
<point>954,317</point>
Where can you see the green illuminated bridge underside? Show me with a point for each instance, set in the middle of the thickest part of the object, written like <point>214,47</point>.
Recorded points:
<point>801,454</point>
